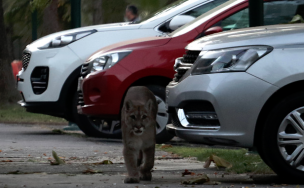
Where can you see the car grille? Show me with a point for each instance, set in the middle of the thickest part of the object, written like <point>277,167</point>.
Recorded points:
<point>80,98</point>
<point>85,69</point>
<point>26,60</point>
<point>186,63</point>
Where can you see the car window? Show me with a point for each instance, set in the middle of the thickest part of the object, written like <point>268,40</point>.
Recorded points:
<point>204,8</point>
<point>275,12</point>
<point>196,12</point>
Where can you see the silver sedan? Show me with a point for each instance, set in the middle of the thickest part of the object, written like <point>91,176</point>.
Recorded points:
<point>244,88</point>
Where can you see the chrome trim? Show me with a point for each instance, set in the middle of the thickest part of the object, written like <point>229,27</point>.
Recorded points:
<point>184,122</point>
<point>178,63</point>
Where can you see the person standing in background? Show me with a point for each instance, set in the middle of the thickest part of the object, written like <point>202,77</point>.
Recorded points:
<point>132,14</point>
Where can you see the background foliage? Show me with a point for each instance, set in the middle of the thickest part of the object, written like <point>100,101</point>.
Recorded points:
<point>55,15</point>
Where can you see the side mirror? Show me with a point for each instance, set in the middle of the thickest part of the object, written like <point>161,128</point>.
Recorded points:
<point>213,30</point>
<point>179,21</point>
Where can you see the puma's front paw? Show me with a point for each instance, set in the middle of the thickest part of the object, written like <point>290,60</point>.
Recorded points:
<point>131,180</point>
<point>146,176</point>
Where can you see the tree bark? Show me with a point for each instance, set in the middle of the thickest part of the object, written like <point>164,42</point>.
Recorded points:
<point>51,23</point>
<point>8,92</point>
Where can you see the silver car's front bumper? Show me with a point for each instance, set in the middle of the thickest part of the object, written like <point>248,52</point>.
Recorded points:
<point>237,99</point>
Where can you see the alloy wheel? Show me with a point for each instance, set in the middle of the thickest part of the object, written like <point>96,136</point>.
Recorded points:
<point>162,117</point>
<point>291,138</point>
<point>111,127</point>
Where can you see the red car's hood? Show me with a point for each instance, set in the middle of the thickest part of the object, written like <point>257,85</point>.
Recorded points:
<point>132,45</point>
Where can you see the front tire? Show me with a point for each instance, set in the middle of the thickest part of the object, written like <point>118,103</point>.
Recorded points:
<point>283,137</point>
<point>111,129</point>
<point>94,127</point>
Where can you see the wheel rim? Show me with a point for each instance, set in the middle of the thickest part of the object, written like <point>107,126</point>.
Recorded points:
<point>113,127</point>
<point>162,117</point>
<point>291,139</point>
<point>109,127</point>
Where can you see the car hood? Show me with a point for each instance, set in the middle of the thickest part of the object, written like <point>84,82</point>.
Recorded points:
<point>99,28</point>
<point>135,44</point>
<point>277,36</point>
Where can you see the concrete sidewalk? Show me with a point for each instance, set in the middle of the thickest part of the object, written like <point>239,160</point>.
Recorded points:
<point>26,149</point>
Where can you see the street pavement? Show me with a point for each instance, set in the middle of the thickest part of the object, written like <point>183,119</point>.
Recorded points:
<point>25,152</point>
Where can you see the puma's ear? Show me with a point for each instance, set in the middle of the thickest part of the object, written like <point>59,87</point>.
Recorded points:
<point>129,105</point>
<point>149,105</point>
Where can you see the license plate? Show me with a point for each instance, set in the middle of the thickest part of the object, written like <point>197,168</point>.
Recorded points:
<point>80,80</point>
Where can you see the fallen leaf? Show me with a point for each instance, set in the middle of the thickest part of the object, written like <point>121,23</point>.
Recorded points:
<point>5,161</point>
<point>0,150</point>
<point>219,162</point>
<point>164,156</point>
<point>105,152</point>
<point>91,171</point>
<point>166,146</point>
<point>186,172</point>
<point>44,154</point>
<point>198,180</point>
<point>104,162</point>
<point>57,161</point>
<point>50,158</point>
<point>96,151</point>
<point>14,172</point>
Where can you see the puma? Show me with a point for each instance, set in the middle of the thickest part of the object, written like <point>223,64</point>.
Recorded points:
<point>138,120</point>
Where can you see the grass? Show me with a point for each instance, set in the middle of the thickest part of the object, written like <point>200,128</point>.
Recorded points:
<point>18,114</point>
<point>241,161</point>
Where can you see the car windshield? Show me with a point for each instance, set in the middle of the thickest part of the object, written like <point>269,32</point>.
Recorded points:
<point>205,17</point>
<point>148,17</point>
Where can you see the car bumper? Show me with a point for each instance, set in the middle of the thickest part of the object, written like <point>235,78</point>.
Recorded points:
<point>48,108</point>
<point>237,99</point>
<point>60,62</point>
<point>103,92</point>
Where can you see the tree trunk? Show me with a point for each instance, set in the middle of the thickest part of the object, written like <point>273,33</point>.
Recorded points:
<point>51,22</point>
<point>97,12</point>
<point>8,92</point>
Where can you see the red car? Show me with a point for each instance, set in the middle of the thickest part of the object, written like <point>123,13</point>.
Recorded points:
<point>107,75</point>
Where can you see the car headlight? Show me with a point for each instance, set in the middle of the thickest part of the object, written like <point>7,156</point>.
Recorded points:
<point>64,40</point>
<point>106,61</point>
<point>229,60</point>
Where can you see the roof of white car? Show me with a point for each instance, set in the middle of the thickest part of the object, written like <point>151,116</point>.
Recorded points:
<point>276,36</point>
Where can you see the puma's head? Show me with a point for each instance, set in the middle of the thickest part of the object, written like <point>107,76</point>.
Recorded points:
<point>138,117</point>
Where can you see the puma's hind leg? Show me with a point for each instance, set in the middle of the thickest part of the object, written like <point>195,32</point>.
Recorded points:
<point>131,161</point>
<point>146,167</point>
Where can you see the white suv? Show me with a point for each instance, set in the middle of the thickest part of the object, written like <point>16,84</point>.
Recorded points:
<point>51,65</point>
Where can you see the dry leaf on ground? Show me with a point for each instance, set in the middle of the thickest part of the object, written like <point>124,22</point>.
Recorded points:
<point>198,180</point>
<point>14,172</point>
<point>166,146</point>
<point>219,162</point>
<point>187,172</point>
<point>91,171</point>
<point>57,161</point>
<point>6,161</point>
